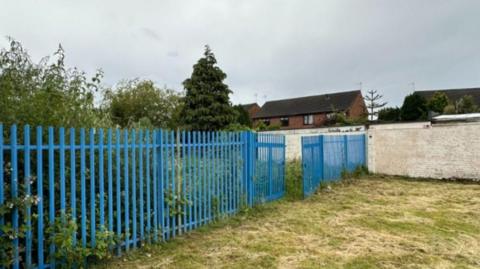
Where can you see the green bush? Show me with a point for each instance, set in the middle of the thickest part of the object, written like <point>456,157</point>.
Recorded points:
<point>293,180</point>
<point>389,114</point>
<point>236,127</point>
<point>438,102</point>
<point>449,109</point>
<point>139,103</point>
<point>47,93</point>
<point>71,254</point>
<point>414,108</point>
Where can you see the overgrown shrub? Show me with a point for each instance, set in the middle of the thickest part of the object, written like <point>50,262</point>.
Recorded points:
<point>261,126</point>
<point>389,114</point>
<point>71,254</point>
<point>19,204</point>
<point>236,127</point>
<point>46,93</point>
<point>139,102</point>
<point>293,180</point>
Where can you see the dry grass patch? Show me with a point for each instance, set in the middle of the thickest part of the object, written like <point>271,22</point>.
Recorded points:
<point>371,223</point>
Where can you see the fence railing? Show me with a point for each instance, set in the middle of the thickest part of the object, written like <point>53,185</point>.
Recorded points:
<point>142,185</point>
<point>324,157</point>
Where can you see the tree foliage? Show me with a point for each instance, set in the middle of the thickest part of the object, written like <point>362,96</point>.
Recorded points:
<point>46,93</point>
<point>449,109</point>
<point>389,114</point>
<point>243,118</point>
<point>373,103</point>
<point>139,103</point>
<point>414,108</point>
<point>466,104</point>
<point>207,102</point>
<point>438,102</point>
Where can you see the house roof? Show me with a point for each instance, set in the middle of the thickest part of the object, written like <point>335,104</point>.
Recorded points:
<point>454,94</point>
<point>248,106</point>
<point>308,105</point>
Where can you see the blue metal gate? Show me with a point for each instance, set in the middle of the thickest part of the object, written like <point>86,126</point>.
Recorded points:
<point>269,168</point>
<point>324,157</point>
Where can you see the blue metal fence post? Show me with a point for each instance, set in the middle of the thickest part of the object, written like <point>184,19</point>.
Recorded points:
<point>101,183</point>
<point>28,181</point>
<point>304,165</point>
<point>183,160</point>
<point>270,166</point>
<point>156,176</point>
<point>322,157</point>
<point>2,221</point>
<point>73,198</point>
<point>140,184</point>
<point>92,188</point>
<point>83,206</point>
<point>345,148</point>
<point>126,185</point>
<point>51,187</point>
<point>110,180</point>
<point>118,188</point>
<point>40,256</point>
<point>134,187</point>
<point>253,159</point>
<point>248,156</point>
<point>62,173</point>
<point>14,192</point>
<point>148,190</point>
<point>160,176</point>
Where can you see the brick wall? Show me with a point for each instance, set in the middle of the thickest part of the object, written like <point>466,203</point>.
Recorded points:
<point>253,110</point>
<point>425,150</point>
<point>358,108</point>
<point>296,122</point>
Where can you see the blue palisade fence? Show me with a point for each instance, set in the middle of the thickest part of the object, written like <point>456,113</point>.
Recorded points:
<point>324,157</point>
<point>144,186</point>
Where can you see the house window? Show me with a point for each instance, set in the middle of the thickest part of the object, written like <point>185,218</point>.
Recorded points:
<point>307,119</point>
<point>331,116</point>
<point>284,121</point>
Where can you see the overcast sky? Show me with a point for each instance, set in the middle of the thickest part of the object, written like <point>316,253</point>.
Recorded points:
<point>277,49</point>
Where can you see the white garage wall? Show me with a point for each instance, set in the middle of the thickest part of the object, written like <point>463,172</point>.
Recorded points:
<point>447,150</point>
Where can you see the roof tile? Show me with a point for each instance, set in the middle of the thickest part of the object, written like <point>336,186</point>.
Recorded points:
<point>308,105</point>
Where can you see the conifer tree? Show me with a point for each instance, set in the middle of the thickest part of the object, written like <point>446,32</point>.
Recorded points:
<point>207,102</point>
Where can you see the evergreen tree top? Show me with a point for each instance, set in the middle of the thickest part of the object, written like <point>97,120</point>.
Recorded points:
<point>207,101</point>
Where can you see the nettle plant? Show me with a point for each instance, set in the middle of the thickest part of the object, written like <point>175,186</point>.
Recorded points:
<point>11,204</point>
<point>70,253</point>
<point>176,203</point>
<point>62,232</point>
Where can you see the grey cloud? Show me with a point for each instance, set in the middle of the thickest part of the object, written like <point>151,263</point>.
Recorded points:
<point>151,33</point>
<point>276,48</point>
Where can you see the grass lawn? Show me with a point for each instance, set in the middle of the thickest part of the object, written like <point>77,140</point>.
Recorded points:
<point>370,223</point>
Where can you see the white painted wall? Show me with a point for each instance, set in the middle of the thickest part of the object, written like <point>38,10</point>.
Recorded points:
<point>444,150</point>
<point>447,150</point>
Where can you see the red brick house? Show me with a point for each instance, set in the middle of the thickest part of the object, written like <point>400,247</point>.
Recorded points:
<point>252,109</point>
<point>311,111</point>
